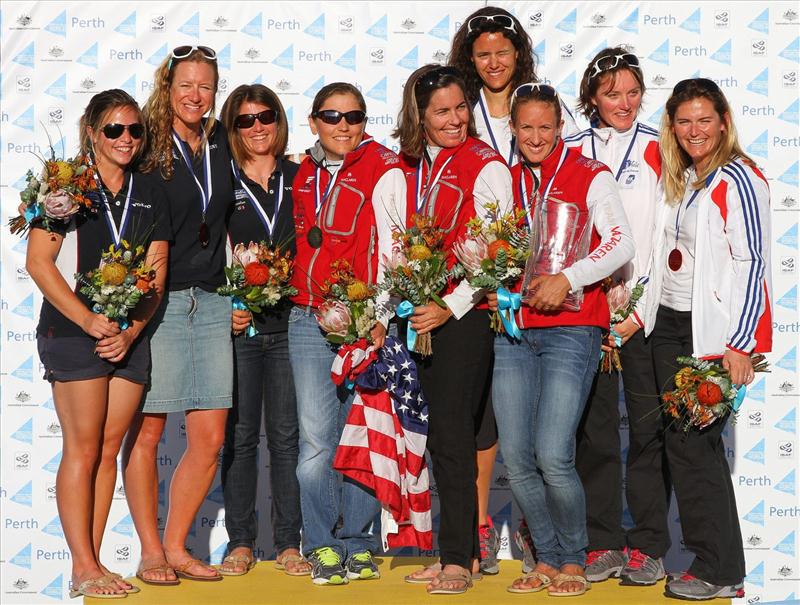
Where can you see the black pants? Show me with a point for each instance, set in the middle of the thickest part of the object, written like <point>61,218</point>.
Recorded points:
<point>699,469</point>
<point>454,379</point>
<point>599,464</point>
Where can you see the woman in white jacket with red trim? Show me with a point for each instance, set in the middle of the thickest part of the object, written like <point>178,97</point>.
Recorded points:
<point>708,296</point>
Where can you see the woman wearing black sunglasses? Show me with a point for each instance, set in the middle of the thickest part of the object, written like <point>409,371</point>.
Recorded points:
<point>97,371</point>
<point>348,194</point>
<point>611,97</point>
<point>541,381</point>
<point>191,334</point>
<point>494,54</point>
<point>452,176</point>
<point>262,211</point>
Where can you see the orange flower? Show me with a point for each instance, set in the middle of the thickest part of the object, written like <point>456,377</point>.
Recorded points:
<point>495,246</point>
<point>708,393</point>
<point>256,274</point>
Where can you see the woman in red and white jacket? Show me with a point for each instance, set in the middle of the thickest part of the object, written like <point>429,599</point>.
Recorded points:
<point>611,94</point>
<point>709,296</point>
<point>348,194</point>
<point>541,381</point>
<point>452,176</point>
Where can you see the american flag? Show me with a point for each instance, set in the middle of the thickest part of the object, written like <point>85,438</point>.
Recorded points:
<point>383,443</point>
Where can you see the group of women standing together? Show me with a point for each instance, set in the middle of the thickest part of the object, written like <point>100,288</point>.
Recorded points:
<point>482,131</point>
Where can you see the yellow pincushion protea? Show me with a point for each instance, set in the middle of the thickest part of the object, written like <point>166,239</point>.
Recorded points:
<point>62,172</point>
<point>113,274</point>
<point>358,290</point>
<point>419,252</point>
<point>683,378</point>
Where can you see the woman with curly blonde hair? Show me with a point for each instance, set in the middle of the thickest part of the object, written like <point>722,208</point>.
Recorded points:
<point>192,369</point>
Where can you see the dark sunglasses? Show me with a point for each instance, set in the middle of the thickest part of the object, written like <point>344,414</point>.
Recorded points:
<point>534,89</point>
<point>702,83</point>
<point>114,131</point>
<point>246,120</point>
<point>331,116</point>
<point>181,52</point>
<point>612,62</point>
<point>503,21</point>
<point>431,80</point>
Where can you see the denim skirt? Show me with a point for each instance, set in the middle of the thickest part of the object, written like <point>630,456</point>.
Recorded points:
<point>192,353</point>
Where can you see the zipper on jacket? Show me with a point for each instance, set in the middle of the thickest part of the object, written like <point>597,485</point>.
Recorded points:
<point>369,253</point>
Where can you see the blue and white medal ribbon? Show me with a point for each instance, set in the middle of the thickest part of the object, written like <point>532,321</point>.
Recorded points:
<point>485,114</point>
<point>269,224</point>
<point>205,188</point>
<point>422,198</point>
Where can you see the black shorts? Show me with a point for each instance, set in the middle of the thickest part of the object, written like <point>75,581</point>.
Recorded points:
<point>69,358</point>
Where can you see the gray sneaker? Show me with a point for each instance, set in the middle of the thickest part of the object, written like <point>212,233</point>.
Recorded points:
<point>641,569</point>
<point>326,567</point>
<point>604,564</point>
<point>489,541</point>
<point>360,566</point>
<point>524,541</point>
<point>689,588</point>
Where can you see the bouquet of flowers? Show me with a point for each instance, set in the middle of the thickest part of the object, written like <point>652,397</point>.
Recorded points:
<point>257,278</point>
<point>61,189</point>
<point>119,283</point>
<point>704,392</point>
<point>417,272</point>
<point>621,303</point>
<point>348,312</point>
<point>493,256</point>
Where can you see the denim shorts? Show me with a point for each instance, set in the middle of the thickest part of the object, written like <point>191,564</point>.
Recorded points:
<point>192,353</point>
<point>69,358</point>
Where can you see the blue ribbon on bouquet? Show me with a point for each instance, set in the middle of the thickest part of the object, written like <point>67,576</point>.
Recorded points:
<point>239,305</point>
<point>31,212</point>
<point>617,341</point>
<point>737,402</point>
<point>405,310</point>
<point>509,301</point>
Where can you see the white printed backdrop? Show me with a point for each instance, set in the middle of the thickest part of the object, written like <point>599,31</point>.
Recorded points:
<point>55,55</point>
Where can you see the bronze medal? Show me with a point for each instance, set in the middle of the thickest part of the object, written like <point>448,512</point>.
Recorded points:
<point>675,259</point>
<point>203,235</point>
<point>314,237</point>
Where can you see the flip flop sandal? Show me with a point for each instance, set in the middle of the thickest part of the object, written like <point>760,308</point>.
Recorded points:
<point>532,575</point>
<point>282,560</point>
<point>133,589</point>
<point>160,567</point>
<point>236,560</point>
<point>562,578</point>
<point>102,582</point>
<point>462,576</point>
<point>477,576</point>
<point>182,572</point>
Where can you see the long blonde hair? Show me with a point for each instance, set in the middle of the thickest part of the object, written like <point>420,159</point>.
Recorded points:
<point>674,159</point>
<point>159,115</point>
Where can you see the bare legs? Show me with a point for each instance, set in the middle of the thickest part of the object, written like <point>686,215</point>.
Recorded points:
<point>485,459</point>
<point>205,432</point>
<point>87,473</point>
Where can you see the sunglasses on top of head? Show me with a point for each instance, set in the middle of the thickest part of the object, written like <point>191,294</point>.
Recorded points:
<point>504,21</point>
<point>247,120</point>
<point>332,116</point>
<point>534,89</point>
<point>612,62</point>
<point>182,52</point>
<point>114,131</point>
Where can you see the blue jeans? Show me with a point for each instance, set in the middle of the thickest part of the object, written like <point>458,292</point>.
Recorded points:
<point>264,386</point>
<point>322,410</point>
<point>539,390</point>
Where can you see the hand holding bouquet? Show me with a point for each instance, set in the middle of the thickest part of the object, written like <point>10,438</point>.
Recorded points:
<point>704,392</point>
<point>61,190</point>
<point>492,255</point>
<point>119,283</point>
<point>348,312</point>
<point>257,278</point>
<point>417,272</point>
<point>621,304</point>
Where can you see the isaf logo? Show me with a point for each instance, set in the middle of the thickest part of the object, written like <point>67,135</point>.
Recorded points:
<point>55,115</point>
<point>755,599</point>
<point>376,56</point>
<point>755,419</point>
<point>785,449</point>
<point>22,460</point>
<point>787,264</point>
<point>535,19</point>
<point>758,47</point>
<point>50,491</point>
<point>789,78</point>
<point>722,19</point>
<point>567,51</point>
<point>122,552</point>
<point>346,25</point>
<point>158,23</point>
<point>629,48</point>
